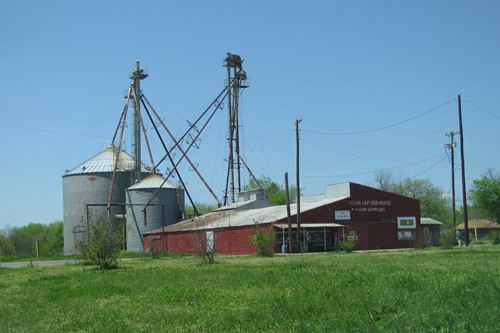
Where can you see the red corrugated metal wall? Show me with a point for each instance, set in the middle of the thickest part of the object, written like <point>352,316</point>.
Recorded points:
<point>227,241</point>
<point>375,224</point>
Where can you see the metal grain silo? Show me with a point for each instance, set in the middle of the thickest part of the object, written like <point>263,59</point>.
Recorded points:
<point>86,191</point>
<point>166,208</point>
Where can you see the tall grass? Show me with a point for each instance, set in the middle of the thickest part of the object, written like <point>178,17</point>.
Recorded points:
<point>455,290</point>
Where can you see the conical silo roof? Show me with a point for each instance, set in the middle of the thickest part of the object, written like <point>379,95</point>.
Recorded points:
<point>152,181</point>
<point>104,162</point>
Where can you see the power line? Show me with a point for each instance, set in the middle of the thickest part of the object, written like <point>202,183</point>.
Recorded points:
<point>373,171</point>
<point>432,166</point>
<point>387,126</point>
<point>42,130</point>
<point>481,109</point>
<point>373,152</point>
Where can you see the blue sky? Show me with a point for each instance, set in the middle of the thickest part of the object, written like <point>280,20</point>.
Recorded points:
<point>342,66</point>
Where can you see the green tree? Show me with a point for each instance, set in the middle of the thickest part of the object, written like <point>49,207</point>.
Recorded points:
<point>201,207</point>
<point>384,180</point>
<point>6,245</point>
<point>485,195</point>
<point>22,240</point>
<point>275,192</point>
<point>433,203</point>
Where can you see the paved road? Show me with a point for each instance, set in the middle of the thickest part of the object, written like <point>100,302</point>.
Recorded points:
<point>46,263</point>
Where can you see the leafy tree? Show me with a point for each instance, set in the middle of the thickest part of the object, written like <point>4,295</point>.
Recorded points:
<point>473,212</point>
<point>384,180</point>
<point>202,209</point>
<point>6,245</point>
<point>485,194</point>
<point>21,240</point>
<point>275,192</point>
<point>432,201</point>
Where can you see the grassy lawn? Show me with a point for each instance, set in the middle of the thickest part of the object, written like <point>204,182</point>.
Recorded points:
<point>412,291</point>
<point>123,254</point>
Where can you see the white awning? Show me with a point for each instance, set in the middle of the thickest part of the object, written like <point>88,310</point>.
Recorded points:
<point>310,225</point>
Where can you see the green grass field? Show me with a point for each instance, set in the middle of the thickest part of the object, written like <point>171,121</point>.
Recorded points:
<point>410,291</point>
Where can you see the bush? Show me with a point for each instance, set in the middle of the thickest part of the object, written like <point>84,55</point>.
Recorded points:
<point>204,245</point>
<point>155,254</point>
<point>349,244</point>
<point>447,239</point>
<point>494,235</point>
<point>101,244</point>
<point>263,241</point>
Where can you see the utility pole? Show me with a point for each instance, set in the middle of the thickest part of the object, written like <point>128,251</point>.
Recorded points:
<point>451,147</point>
<point>136,76</point>
<point>462,163</point>
<point>297,166</point>
<point>288,215</point>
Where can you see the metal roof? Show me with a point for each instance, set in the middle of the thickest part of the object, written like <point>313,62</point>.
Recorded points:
<point>429,221</point>
<point>311,225</point>
<point>479,224</point>
<point>152,181</point>
<point>237,218</point>
<point>105,161</point>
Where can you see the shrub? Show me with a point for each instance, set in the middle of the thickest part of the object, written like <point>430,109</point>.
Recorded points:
<point>447,239</point>
<point>263,241</point>
<point>101,244</point>
<point>494,235</point>
<point>349,244</point>
<point>204,245</point>
<point>155,254</point>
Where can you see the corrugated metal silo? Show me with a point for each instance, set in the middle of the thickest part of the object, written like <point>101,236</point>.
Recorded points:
<point>165,209</point>
<point>88,184</point>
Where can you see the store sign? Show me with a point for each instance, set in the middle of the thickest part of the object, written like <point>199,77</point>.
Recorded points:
<point>370,206</point>
<point>342,215</point>
<point>407,222</point>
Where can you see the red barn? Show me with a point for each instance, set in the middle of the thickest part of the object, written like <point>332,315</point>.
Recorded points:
<point>379,219</point>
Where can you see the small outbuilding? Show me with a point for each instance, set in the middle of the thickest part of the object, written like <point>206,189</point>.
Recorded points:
<point>478,228</point>
<point>379,220</point>
<point>431,231</point>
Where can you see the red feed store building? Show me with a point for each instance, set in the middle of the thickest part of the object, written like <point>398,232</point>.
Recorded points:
<point>379,219</point>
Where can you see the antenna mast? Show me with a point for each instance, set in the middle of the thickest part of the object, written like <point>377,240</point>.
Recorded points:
<point>136,76</point>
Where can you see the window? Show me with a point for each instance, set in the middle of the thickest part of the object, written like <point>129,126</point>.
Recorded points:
<point>406,234</point>
<point>279,236</point>
<point>408,222</point>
